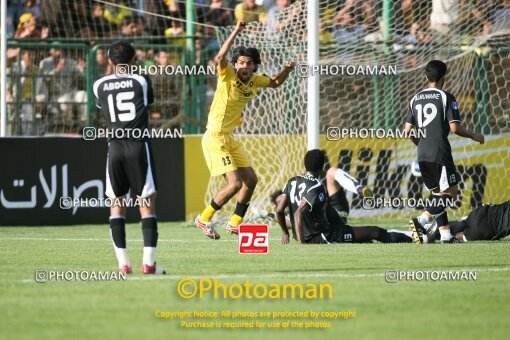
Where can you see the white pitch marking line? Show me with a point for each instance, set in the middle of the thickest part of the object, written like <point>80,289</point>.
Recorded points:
<point>108,240</point>
<point>293,275</point>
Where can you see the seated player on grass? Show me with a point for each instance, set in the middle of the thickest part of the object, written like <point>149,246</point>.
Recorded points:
<point>312,218</point>
<point>337,182</point>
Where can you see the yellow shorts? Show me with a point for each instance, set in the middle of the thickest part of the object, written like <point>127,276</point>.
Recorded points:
<point>222,153</point>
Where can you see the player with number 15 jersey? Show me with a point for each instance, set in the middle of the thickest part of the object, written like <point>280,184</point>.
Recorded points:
<point>123,98</point>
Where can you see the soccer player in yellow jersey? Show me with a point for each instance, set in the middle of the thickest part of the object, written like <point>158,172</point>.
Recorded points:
<point>224,155</point>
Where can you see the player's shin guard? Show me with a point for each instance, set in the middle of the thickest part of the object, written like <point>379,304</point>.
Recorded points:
<point>118,233</point>
<point>438,204</point>
<point>442,221</point>
<point>385,236</point>
<point>239,212</point>
<point>150,239</point>
<point>398,237</point>
<point>150,231</point>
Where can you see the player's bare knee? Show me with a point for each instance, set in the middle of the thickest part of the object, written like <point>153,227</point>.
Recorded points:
<point>235,185</point>
<point>117,211</point>
<point>330,175</point>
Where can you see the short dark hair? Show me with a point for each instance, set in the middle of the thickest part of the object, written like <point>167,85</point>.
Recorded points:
<point>314,160</point>
<point>121,52</point>
<point>275,195</point>
<point>435,70</point>
<point>251,52</point>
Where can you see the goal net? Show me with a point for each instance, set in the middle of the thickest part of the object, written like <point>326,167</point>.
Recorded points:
<point>472,37</point>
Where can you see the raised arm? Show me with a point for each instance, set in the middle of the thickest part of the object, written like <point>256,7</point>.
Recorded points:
<point>280,78</point>
<point>221,57</point>
<point>459,130</point>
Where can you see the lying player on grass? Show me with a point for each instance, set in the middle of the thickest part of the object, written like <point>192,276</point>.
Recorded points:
<point>489,222</point>
<point>312,218</point>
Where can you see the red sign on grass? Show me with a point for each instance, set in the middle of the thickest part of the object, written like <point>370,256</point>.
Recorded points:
<point>253,239</point>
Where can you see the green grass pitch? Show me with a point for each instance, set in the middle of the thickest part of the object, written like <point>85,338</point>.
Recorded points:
<point>126,309</point>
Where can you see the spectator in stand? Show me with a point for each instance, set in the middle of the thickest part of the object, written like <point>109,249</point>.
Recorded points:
<point>266,3</point>
<point>376,36</point>
<point>218,15</point>
<point>444,15</point>
<point>15,8</point>
<point>501,18</point>
<point>248,11</point>
<point>277,22</point>
<point>474,18</point>
<point>63,77</point>
<point>411,12</point>
<point>27,27</point>
<point>131,27</point>
<point>25,89</point>
<point>361,13</point>
<point>347,29</point>
<point>103,67</point>
<point>116,15</point>
<point>166,89</point>
<point>100,26</point>
<point>155,25</point>
<point>32,6</point>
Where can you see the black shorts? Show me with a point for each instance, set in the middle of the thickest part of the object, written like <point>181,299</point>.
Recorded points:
<point>318,239</point>
<point>438,177</point>
<point>476,230</point>
<point>337,234</point>
<point>341,234</point>
<point>130,165</point>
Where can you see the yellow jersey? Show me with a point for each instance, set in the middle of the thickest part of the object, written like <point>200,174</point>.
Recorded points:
<point>230,99</point>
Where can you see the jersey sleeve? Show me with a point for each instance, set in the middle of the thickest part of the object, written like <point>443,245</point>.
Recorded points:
<point>452,110</point>
<point>315,197</point>
<point>226,74</point>
<point>95,89</point>
<point>262,80</point>
<point>410,115</point>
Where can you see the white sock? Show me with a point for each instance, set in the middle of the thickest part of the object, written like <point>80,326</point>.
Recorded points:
<point>122,256</point>
<point>445,235</point>
<point>346,181</point>
<point>423,218</point>
<point>121,253</point>
<point>148,255</point>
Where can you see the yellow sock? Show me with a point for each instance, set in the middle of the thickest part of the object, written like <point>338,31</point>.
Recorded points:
<point>235,220</point>
<point>207,214</point>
